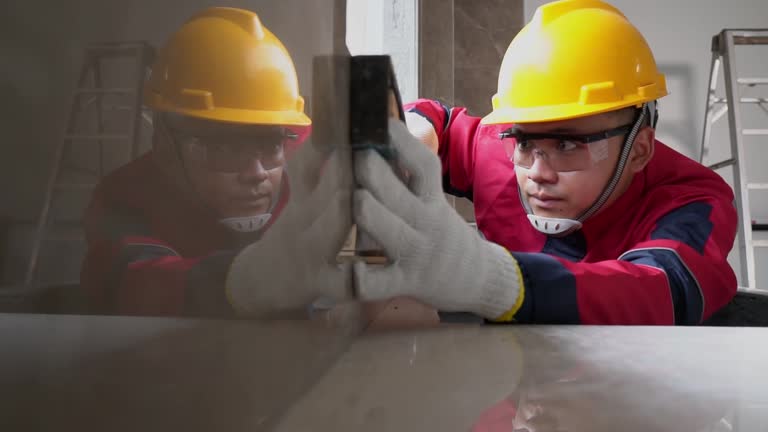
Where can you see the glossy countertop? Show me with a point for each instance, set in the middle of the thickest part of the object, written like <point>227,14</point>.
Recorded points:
<point>120,373</point>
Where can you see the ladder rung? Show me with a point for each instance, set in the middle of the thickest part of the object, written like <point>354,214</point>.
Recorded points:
<point>747,100</point>
<point>62,237</point>
<point>117,45</point>
<point>722,164</point>
<point>760,243</point>
<point>105,91</point>
<point>115,50</point>
<point>755,131</point>
<point>65,226</point>
<point>752,81</point>
<point>75,186</point>
<point>757,186</point>
<point>750,40</point>
<point>755,291</point>
<point>96,137</point>
<point>116,108</point>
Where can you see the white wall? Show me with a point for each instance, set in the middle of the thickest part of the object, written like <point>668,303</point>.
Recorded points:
<point>387,27</point>
<point>679,33</point>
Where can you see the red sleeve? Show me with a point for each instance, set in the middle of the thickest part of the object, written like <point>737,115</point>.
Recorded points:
<point>678,275</point>
<point>129,272</point>
<point>302,135</point>
<point>457,135</point>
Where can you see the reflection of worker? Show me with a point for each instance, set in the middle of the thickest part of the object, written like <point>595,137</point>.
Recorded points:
<point>163,229</point>
<point>571,390</point>
<point>603,224</point>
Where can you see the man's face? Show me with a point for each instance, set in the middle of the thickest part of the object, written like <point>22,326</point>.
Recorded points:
<point>235,170</point>
<point>563,178</point>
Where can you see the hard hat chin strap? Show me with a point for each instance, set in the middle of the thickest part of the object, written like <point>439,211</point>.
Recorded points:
<point>246,224</point>
<point>559,227</point>
<point>172,150</point>
<point>252,224</point>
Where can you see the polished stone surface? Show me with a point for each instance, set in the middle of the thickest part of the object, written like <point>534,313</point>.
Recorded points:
<point>461,44</point>
<point>436,50</point>
<point>562,378</point>
<point>74,373</point>
<point>482,31</point>
<point>117,373</point>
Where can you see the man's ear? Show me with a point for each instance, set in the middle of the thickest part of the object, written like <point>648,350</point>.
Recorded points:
<point>642,149</point>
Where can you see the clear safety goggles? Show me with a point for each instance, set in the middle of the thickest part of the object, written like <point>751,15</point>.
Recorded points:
<point>229,149</point>
<point>563,152</point>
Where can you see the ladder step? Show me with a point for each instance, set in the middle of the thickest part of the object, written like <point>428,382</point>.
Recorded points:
<point>746,100</point>
<point>760,243</point>
<point>65,229</point>
<point>105,91</point>
<point>116,108</point>
<point>752,81</point>
<point>755,131</point>
<point>757,186</point>
<point>117,45</point>
<point>69,235</point>
<point>96,137</point>
<point>722,164</point>
<point>116,50</point>
<point>750,40</point>
<point>81,186</point>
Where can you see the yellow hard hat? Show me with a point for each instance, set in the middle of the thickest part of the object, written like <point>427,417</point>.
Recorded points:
<point>223,65</point>
<point>575,58</point>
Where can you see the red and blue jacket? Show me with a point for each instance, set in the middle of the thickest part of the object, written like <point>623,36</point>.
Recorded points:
<point>154,251</point>
<point>657,255</point>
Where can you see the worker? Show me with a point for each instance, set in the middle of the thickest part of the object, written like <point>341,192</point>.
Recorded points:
<point>587,218</point>
<point>597,388</point>
<point>163,229</point>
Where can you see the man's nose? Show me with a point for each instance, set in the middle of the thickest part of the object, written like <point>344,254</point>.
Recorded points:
<point>541,171</point>
<point>253,170</point>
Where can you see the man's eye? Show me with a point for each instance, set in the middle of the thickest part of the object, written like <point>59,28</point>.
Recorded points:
<point>524,146</point>
<point>222,149</point>
<point>566,145</point>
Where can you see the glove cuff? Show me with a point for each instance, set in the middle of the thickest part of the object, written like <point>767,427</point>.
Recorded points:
<point>503,292</point>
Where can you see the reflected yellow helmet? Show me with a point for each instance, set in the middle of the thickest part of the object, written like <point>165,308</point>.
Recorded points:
<point>224,65</point>
<point>575,58</point>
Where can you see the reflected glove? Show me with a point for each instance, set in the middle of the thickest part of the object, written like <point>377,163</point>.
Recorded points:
<point>294,263</point>
<point>436,256</point>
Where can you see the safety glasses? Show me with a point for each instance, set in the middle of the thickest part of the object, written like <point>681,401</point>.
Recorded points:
<point>232,149</point>
<point>234,154</point>
<point>563,152</point>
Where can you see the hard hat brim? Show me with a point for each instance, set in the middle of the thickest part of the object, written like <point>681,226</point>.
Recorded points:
<point>559,112</point>
<point>249,117</point>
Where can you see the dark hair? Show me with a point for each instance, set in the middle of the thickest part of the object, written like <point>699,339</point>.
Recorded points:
<point>628,115</point>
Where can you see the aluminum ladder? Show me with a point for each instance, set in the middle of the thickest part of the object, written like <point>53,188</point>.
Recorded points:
<point>724,54</point>
<point>95,95</point>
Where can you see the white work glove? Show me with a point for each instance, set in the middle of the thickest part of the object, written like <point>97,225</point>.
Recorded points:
<point>294,263</point>
<point>436,256</point>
